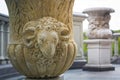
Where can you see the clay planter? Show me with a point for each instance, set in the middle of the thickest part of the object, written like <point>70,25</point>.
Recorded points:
<point>41,41</point>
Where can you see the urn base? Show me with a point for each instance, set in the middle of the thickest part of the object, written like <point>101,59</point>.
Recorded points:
<point>54,78</point>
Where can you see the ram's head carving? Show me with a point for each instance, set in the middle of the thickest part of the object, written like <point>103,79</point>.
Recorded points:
<point>45,34</point>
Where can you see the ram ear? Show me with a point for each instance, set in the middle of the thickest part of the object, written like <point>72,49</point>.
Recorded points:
<point>29,33</point>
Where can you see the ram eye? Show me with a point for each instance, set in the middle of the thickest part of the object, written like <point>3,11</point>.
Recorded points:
<point>64,32</point>
<point>28,40</point>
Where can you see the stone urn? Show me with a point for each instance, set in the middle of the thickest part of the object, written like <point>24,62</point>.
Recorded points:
<point>98,19</point>
<point>100,39</point>
<point>41,42</point>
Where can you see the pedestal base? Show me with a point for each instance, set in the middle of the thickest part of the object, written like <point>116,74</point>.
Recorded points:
<point>56,78</point>
<point>99,55</point>
<point>98,68</point>
<point>78,64</point>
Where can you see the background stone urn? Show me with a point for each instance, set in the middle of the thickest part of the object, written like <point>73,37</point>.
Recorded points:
<point>99,41</point>
<point>98,19</point>
<point>41,41</point>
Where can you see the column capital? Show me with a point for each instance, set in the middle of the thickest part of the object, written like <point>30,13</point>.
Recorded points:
<point>2,22</point>
<point>78,17</point>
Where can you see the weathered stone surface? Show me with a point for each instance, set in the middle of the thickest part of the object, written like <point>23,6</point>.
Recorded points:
<point>99,51</point>
<point>41,44</point>
<point>23,11</point>
<point>99,23</point>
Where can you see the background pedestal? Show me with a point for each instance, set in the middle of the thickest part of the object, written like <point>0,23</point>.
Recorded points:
<point>78,64</point>
<point>99,51</point>
<point>107,67</point>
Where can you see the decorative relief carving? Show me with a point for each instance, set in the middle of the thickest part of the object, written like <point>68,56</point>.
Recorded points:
<point>47,48</point>
<point>99,27</point>
<point>45,34</point>
<point>41,46</point>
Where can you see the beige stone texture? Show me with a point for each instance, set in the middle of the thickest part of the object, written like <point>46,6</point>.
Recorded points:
<point>41,37</point>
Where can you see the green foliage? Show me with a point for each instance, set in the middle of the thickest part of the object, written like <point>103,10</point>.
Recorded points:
<point>119,46</point>
<point>85,45</point>
<point>117,31</point>
<point>112,48</point>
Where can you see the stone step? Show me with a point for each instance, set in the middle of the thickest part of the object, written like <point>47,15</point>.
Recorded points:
<point>78,64</point>
<point>7,71</point>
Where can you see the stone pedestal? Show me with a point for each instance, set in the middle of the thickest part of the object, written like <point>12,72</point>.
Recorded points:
<point>80,60</point>
<point>99,51</point>
<point>99,43</point>
<point>78,19</point>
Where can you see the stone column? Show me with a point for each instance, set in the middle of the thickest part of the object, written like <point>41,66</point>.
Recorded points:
<point>6,40</point>
<point>79,61</point>
<point>41,37</point>
<point>100,42</point>
<point>78,33</point>
<point>2,41</point>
